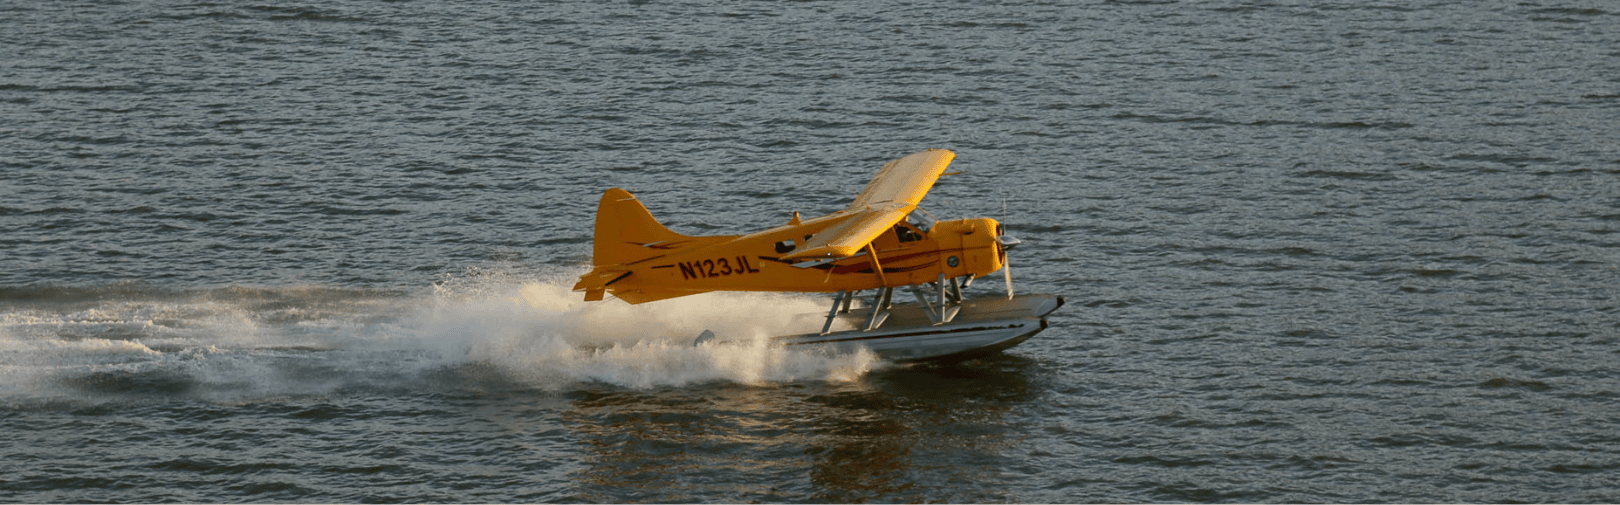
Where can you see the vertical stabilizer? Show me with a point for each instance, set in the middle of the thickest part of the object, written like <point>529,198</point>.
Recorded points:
<point>626,232</point>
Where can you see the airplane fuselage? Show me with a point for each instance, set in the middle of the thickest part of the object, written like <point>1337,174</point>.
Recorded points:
<point>905,255</point>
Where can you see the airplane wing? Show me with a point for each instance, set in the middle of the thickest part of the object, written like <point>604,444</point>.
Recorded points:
<point>905,180</point>
<point>892,194</point>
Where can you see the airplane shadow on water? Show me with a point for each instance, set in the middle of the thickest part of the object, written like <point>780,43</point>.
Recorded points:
<point>923,432</point>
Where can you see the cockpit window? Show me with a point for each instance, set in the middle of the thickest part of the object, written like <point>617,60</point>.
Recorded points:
<point>921,220</point>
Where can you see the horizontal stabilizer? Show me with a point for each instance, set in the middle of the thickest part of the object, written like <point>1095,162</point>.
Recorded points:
<point>595,284</point>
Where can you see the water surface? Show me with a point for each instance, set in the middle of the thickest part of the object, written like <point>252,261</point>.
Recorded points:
<point>1313,252</point>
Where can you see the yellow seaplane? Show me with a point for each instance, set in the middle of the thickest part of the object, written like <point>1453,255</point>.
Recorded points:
<point>880,242</point>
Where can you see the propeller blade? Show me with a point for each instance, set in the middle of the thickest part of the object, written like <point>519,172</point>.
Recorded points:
<point>1005,243</point>
<point>1006,270</point>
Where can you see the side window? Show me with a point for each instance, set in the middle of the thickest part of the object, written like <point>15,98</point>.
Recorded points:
<point>784,247</point>
<point>906,234</point>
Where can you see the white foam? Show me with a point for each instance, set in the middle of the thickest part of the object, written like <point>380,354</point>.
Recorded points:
<point>533,330</point>
<point>545,333</point>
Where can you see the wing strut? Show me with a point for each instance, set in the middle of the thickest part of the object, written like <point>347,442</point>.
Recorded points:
<point>876,267</point>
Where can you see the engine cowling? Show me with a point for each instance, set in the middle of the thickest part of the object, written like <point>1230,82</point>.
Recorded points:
<point>974,245</point>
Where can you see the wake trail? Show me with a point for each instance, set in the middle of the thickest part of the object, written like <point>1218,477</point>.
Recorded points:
<point>241,344</point>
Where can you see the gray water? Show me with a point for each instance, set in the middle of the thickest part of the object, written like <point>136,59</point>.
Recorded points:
<point>317,252</point>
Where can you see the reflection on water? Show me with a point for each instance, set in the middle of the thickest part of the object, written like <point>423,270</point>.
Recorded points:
<point>891,435</point>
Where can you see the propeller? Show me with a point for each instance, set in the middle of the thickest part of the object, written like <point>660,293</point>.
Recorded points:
<point>1005,243</point>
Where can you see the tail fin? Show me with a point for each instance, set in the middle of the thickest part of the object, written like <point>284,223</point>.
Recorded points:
<point>626,232</point>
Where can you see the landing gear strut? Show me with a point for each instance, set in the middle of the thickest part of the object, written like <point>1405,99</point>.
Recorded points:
<point>942,302</point>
